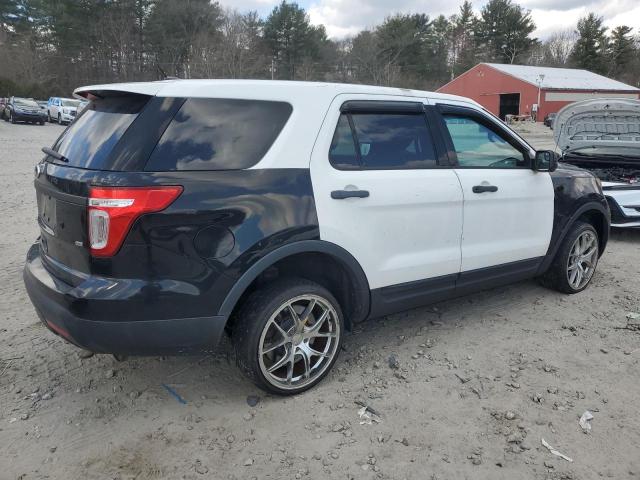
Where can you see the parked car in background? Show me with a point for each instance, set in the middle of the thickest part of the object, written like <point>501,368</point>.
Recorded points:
<point>285,212</point>
<point>24,110</point>
<point>43,104</point>
<point>3,105</point>
<point>603,136</point>
<point>549,118</point>
<point>62,110</point>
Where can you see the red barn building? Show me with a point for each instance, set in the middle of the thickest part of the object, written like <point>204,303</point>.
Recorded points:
<point>515,89</point>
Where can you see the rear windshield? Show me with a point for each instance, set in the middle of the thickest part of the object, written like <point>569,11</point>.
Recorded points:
<point>89,140</point>
<point>219,134</point>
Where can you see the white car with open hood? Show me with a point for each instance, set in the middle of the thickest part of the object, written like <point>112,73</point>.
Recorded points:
<point>603,136</point>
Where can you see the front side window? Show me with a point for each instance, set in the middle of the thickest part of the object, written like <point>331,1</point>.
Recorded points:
<point>382,141</point>
<point>219,134</point>
<point>478,146</point>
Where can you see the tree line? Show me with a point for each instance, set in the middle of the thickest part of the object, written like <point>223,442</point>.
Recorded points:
<point>49,47</point>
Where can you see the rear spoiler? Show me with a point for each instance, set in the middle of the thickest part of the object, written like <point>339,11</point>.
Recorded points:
<point>111,89</point>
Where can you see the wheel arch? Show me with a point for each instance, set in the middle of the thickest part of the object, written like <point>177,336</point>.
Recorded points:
<point>339,272</point>
<point>594,213</point>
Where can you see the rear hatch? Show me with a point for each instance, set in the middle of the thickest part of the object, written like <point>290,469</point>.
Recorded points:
<point>87,150</point>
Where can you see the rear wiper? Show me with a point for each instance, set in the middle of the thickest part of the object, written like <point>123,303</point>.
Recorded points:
<point>52,153</point>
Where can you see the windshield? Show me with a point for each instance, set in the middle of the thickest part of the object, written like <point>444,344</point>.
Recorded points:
<point>90,139</point>
<point>70,103</point>
<point>24,102</point>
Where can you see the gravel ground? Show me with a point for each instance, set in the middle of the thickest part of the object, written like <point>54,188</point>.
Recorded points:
<point>478,383</point>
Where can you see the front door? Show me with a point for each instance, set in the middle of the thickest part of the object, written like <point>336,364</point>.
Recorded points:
<point>383,195</point>
<point>508,207</point>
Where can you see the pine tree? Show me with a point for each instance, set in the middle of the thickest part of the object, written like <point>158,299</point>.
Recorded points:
<point>590,50</point>
<point>622,50</point>
<point>504,30</point>
<point>463,42</point>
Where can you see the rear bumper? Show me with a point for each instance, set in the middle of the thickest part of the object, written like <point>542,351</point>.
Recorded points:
<point>54,300</point>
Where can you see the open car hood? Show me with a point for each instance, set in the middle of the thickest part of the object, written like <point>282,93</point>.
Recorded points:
<point>601,122</point>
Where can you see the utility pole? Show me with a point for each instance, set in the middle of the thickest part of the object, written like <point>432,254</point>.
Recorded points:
<point>540,80</point>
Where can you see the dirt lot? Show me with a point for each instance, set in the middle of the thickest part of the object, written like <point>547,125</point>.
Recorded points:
<point>481,381</point>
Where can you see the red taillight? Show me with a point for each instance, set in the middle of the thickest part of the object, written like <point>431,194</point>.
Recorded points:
<point>112,210</point>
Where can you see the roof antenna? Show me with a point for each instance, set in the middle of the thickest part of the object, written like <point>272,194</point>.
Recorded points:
<point>164,75</point>
<point>162,72</point>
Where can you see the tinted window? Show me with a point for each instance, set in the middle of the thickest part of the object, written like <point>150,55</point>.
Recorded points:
<point>219,134</point>
<point>384,141</point>
<point>342,153</point>
<point>476,145</point>
<point>93,134</point>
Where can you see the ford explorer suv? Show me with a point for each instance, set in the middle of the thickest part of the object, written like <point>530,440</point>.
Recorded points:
<point>62,110</point>
<point>282,213</point>
<point>603,136</point>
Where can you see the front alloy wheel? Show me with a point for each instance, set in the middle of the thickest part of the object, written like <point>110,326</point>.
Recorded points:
<point>287,335</point>
<point>575,262</point>
<point>582,260</point>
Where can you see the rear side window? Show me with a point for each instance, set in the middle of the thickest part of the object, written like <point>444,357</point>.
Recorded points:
<point>219,134</point>
<point>382,141</point>
<point>91,137</point>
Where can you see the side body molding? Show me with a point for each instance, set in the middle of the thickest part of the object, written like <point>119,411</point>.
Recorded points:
<point>356,275</point>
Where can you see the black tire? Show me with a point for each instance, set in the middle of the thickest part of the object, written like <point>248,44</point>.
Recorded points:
<point>12,118</point>
<point>41,122</point>
<point>557,276</point>
<point>253,318</point>
<point>49,119</point>
<point>59,119</point>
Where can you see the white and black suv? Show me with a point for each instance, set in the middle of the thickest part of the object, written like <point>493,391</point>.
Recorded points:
<point>283,212</point>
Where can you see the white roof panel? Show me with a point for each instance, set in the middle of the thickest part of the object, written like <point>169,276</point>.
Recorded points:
<point>562,78</point>
<point>258,89</point>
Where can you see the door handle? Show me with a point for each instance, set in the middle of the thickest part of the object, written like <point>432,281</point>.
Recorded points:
<point>342,194</point>
<point>484,188</point>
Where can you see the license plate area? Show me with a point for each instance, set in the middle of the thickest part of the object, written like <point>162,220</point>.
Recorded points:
<point>47,213</point>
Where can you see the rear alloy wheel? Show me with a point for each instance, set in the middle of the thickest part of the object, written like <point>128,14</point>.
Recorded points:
<point>288,336</point>
<point>576,260</point>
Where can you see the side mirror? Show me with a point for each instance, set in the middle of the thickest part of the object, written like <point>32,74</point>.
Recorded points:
<point>545,161</point>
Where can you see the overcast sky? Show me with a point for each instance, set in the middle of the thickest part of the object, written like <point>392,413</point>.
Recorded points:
<point>346,17</point>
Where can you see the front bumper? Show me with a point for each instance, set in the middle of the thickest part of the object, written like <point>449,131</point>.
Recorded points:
<point>67,118</point>
<point>28,117</point>
<point>54,301</point>
<point>624,203</point>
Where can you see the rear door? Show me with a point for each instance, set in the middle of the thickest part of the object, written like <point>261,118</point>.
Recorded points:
<point>383,193</point>
<point>508,207</point>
